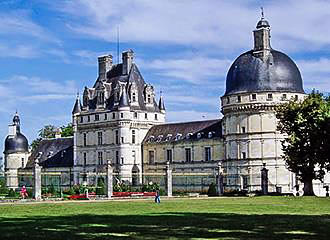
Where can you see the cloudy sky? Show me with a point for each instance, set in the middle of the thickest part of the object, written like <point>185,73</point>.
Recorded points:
<point>49,49</point>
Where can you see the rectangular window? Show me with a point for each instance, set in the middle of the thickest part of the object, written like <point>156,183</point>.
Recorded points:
<point>254,96</point>
<point>122,160</point>
<point>100,158</point>
<point>151,157</point>
<point>134,156</point>
<point>133,136</point>
<point>134,97</point>
<point>169,155</point>
<point>269,96</point>
<point>243,129</point>
<point>122,139</point>
<point>105,116</point>
<point>239,98</point>
<point>156,116</point>
<point>243,155</point>
<point>284,96</point>
<point>113,115</point>
<point>245,182</point>
<point>135,115</point>
<point>228,100</point>
<point>97,117</point>
<point>85,139</point>
<point>23,164</point>
<point>207,153</point>
<point>188,154</point>
<point>121,115</point>
<point>117,157</point>
<point>296,97</point>
<point>146,115</point>
<point>117,137</point>
<point>88,118</point>
<point>99,138</point>
<point>81,119</point>
<point>85,159</point>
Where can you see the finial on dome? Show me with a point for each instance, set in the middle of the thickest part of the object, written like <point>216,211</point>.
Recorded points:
<point>262,12</point>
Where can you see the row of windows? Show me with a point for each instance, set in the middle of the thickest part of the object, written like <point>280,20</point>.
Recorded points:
<point>188,155</point>
<point>100,138</point>
<point>100,158</point>
<point>97,116</point>
<point>269,97</point>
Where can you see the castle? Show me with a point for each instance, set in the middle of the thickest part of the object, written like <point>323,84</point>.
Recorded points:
<point>121,120</point>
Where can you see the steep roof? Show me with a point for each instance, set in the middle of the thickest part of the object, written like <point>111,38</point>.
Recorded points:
<point>183,131</point>
<point>56,152</point>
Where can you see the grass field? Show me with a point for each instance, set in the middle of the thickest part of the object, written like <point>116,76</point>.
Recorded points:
<point>218,218</point>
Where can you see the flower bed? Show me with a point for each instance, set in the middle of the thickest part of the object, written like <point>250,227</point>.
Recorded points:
<point>130,194</point>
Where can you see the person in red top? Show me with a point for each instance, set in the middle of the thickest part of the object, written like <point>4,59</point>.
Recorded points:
<point>24,192</point>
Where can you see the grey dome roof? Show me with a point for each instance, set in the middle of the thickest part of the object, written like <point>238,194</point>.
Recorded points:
<point>250,74</point>
<point>263,23</point>
<point>16,143</point>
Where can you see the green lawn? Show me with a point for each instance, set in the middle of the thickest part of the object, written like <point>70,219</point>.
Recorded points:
<point>219,218</point>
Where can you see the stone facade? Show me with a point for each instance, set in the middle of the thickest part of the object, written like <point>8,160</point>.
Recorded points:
<point>115,117</point>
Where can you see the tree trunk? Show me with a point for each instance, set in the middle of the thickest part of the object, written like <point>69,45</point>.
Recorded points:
<point>308,187</point>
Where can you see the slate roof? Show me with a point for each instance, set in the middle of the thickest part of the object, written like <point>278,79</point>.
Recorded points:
<point>114,76</point>
<point>187,130</point>
<point>56,152</point>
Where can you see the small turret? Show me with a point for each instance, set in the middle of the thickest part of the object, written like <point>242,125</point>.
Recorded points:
<point>161,104</point>
<point>77,106</point>
<point>123,102</point>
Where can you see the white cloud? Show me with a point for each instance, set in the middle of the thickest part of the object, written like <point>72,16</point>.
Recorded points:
<point>18,51</point>
<point>194,70</point>
<point>224,24</point>
<point>19,23</point>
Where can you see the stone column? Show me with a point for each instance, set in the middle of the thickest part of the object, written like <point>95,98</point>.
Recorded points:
<point>37,178</point>
<point>109,179</point>
<point>264,180</point>
<point>168,179</point>
<point>219,179</point>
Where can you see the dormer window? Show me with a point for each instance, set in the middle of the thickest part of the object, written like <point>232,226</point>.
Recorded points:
<point>199,135</point>
<point>269,96</point>
<point>134,97</point>
<point>151,139</point>
<point>239,99</point>
<point>188,136</point>
<point>159,138</point>
<point>210,134</point>
<point>178,136</point>
<point>168,137</point>
<point>149,98</point>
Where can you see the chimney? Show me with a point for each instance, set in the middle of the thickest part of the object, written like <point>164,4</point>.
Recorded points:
<point>58,133</point>
<point>128,57</point>
<point>105,64</point>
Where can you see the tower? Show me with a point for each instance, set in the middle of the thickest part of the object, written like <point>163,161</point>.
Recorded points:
<point>257,81</point>
<point>16,152</point>
<point>114,118</point>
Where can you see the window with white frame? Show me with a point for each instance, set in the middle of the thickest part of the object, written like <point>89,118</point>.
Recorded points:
<point>207,154</point>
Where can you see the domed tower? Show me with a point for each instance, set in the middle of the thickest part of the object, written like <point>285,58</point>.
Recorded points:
<point>16,152</point>
<point>257,81</point>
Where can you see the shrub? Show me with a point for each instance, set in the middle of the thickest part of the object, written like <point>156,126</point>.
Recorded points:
<point>212,192</point>
<point>100,187</point>
<point>11,193</point>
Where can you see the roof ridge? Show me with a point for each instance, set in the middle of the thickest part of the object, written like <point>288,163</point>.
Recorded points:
<point>209,120</point>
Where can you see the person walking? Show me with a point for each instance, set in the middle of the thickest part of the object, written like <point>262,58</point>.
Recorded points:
<point>157,197</point>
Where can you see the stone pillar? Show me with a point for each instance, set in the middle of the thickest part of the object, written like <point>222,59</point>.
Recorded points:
<point>264,180</point>
<point>37,179</point>
<point>109,179</point>
<point>168,179</point>
<point>219,180</point>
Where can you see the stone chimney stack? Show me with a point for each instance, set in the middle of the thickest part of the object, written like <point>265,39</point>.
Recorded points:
<point>128,57</point>
<point>105,64</point>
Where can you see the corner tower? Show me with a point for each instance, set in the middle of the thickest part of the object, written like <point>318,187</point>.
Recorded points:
<point>16,152</point>
<point>115,115</point>
<point>257,81</point>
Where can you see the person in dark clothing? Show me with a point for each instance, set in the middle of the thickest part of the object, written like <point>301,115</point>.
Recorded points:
<point>157,197</point>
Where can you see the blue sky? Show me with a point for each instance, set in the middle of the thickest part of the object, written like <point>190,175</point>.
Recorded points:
<point>49,49</point>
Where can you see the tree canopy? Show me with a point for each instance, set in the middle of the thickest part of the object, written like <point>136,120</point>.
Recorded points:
<point>307,145</point>
<point>49,131</point>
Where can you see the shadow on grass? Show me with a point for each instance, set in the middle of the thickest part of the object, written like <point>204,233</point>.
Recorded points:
<point>167,225</point>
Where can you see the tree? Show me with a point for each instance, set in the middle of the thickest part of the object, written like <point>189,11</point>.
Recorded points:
<point>49,131</point>
<point>307,145</point>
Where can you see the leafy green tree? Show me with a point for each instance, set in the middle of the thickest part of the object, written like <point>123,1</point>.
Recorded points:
<point>307,145</point>
<point>49,131</point>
